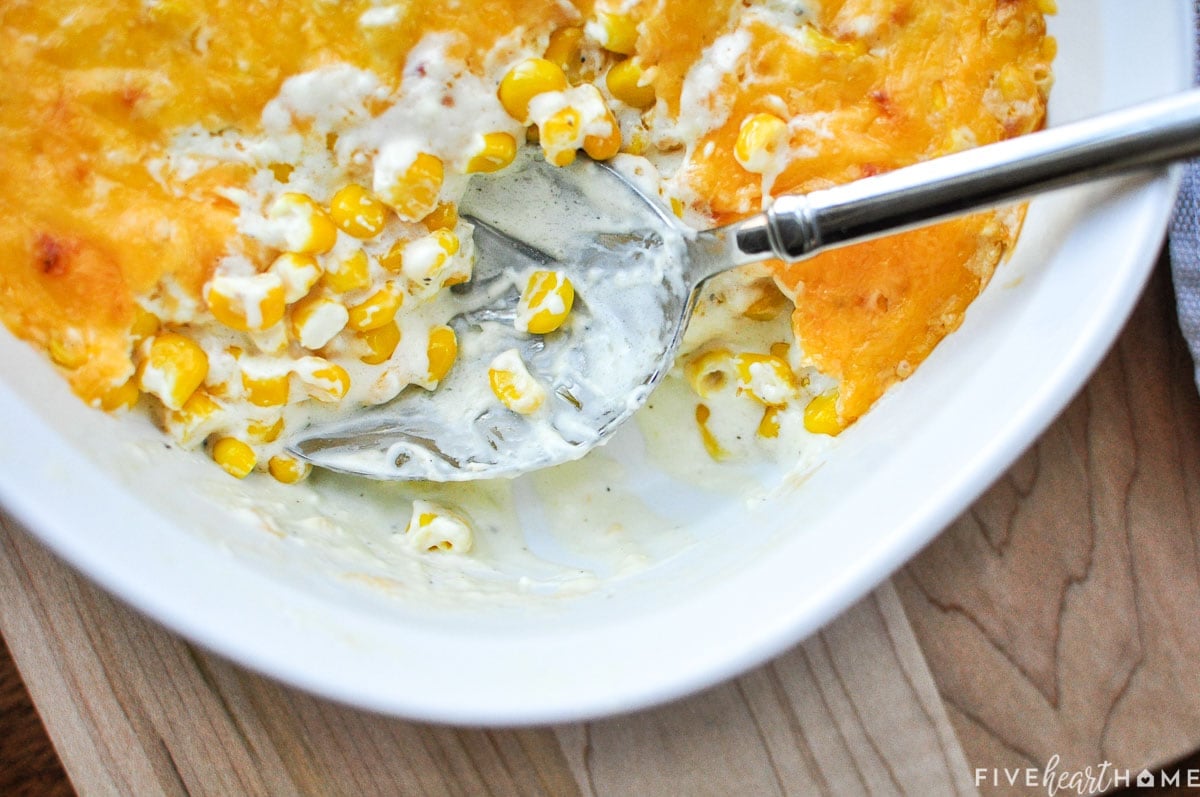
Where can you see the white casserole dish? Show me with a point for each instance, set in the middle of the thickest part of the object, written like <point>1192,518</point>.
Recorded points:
<point>733,586</point>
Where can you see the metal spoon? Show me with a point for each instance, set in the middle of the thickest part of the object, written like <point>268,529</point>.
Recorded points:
<point>637,272</point>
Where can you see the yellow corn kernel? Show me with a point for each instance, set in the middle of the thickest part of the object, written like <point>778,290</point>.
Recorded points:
<point>765,378</point>
<point>350,273</point>
<point>821,414</point>
<point>625,82</point>
<point>248,302</point>
<point>173,367</point>
<point>298,274</point>
<point>121,397</point>
<point>760,140</point>
<point>67,348</point>
<point>938,99</point>
<point>381,343</point>
<point>525,81</point>
<point>435,528</point>
<point>443,217</point>
<point>393,259</point>
<point>265,431</point>
<point>780,349</point>
<point>677,206</point>
<point>287,469</point>
<point>145,325</point>
<point>323,380</point>
<point>412,190</point>
<point>560,136</point>
<point>565,48</point>
<point>617,33</point>
<point>769,303</point>
<point>714,448</point>
<point>377,310</point>
<point>1014,84</point>
<point>358,212</point>
<point>441,351</point>
<point>603,147</point>
<point>195,420</point>
<point>768,427</point>
<point>513,385</point>
<point>316,320</point>
<point>265,391</point>
<point>494,152</point>
<point>1048,7</point>
<point>304,227</point>
<point>424,259</point>
<point>545,302</point>
<point>237,458</point>
<point>710,372</point>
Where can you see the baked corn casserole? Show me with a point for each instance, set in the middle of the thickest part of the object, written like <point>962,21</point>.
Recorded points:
<point>235,215</point>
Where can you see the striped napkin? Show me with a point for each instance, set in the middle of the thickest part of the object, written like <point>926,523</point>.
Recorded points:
<point>1185,249</point>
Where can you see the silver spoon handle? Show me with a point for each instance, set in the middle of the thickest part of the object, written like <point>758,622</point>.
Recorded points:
<point>800,225</point>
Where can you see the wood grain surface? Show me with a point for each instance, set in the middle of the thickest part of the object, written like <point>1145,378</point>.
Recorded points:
<point>1059,616</point>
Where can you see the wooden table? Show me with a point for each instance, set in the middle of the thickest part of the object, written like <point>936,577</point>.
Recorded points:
<point>1059,616</point>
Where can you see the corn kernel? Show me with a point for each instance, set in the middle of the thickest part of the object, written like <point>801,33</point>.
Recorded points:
<point>351,273</point>
<point>617,33</point>
<point>565,48</point>
<point>377,310</point>
<point>121,397</point>
<point>174,366</point>
<point>780,349</point>
<point>761,139</point>
<point>265,431</point>
<point>603,147</point>
<point>424,260</point>
<point>768,427</point>
<point>323,380</point>
<point>493,152</point>
<point>435,528</point>
<point>281,171</point>
<point>303,226</point>
<point>198,417</point>
<point>287,469</point>
<point>625,81</point>
<point>545,302</point>
<point>560,136</point>
<point>525,81</point>
<point>68,348</point>
<point>237,458</point>
<point>316,320</point>
<point>513,385</point>
<point>246,302</point>
<point>711,444</point>
<point>145,325</point>
<point>1049,7</point>
<point>298,274</point>
<point>393,259</point>
<point>410,183</point>
<point>765,378</point>
<point>821,414</point>
<point>381,343</point>
<point>769,303</point>
<point>710,372</point>
<point>265,390</point>
<point>443,217</point>
<point>358,212</point>
<point>441,352</point>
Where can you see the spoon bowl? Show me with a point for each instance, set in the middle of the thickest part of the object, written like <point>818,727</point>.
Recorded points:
<point>637,271</point>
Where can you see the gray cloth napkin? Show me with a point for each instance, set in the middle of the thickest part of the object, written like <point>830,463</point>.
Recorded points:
<point>1185,248</point>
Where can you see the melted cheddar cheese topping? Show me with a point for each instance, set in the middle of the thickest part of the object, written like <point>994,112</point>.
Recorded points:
<point>103,248</point>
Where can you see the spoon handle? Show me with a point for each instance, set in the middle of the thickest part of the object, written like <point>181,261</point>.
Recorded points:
<point>801,225</point>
